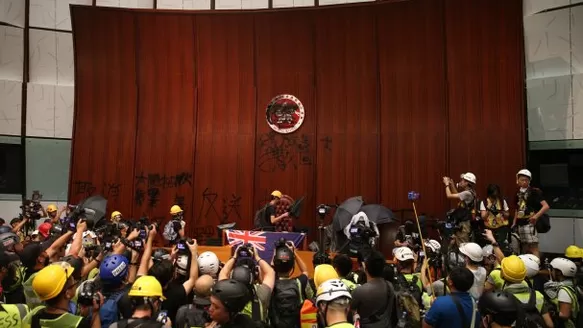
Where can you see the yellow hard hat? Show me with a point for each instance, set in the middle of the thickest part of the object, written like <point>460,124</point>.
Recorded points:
<point>324,272</point>
<point>114,214</point>
<point>147,286</point>
<point>513,269</point>
<point>50,281</point>
<point>51,208</point>
<point>175,209</point>
<point>276,193</point>
<point>573,252</point>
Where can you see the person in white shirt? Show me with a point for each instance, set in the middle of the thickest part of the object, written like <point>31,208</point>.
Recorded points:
<point>474,257</point>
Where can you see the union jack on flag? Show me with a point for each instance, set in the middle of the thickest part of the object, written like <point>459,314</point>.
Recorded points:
<point>263,241</point>
<point>255,238</point>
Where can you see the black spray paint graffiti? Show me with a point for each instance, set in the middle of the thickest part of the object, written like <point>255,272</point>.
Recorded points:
<point>110,190</point>
<point>202,233</point>
<point>280,151</point>
<point>149,187</point>
<point>230,207</point>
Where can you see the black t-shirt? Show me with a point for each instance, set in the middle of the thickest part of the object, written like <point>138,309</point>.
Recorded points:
<point>533,200</point>
<point>370,299</point>
<point>240,321</point>
<point>175,298</point>
<point>35,322</point>
<point>269,211</point>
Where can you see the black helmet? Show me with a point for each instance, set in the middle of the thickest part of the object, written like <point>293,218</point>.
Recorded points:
<point>243,275</point>
<point>321,258</point>
<point>233,294</point>
<point>284,259</point>
<point>501,305</point>
<point>160,254</point>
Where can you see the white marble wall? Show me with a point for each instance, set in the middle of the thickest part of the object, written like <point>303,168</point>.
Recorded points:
<point>53,14</point>
<point>564,232</point>
<point>144,4</point>
<point>554,71</point>
<point>531,7</point>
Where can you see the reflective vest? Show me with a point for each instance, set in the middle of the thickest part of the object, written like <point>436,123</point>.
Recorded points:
<point>66,320</point>
<point>496,276</point>
<point>574,305</point>
<point>525,296</point>
<point>349,284</point>
<point>248,309</point>
<point>426,299</point>
<point>32,299</point>
<point>409,278</point>
<point>12,315</point>
<point>309,315</point>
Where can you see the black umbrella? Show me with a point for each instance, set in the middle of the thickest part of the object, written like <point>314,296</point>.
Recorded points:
<point>296,208</point>
<point>92,209</point>
<point>346,211</point>
<point>378,214</point>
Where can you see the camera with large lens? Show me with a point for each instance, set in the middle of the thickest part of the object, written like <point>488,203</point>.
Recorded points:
<point>88,293</point>
<point>280,243</point>
<point>93,251</point>
<point>245,256</point>
<point>323,209</point>
<point>182,246</point>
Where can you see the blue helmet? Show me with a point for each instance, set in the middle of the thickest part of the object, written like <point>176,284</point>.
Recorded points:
<point>114,269</point>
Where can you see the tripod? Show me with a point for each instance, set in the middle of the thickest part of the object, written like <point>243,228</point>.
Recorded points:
<point>321,228</point>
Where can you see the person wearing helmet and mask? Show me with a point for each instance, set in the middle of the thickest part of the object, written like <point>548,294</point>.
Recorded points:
<point>498,309</point>
<point>228,298</point>
<point>208,263</point>
<point>530,206</point>
<point>474,256</point>
<point>513,272</point>
<point>54,214</point>
<point>333,302</point>
<point>174,229</point>
<point>267,218</point>
<point>55,286</point>
<point>116,217</point>
<point>563,293</point>
<point>466,207</point>
<point>244,271</point>
<point>146,297</point>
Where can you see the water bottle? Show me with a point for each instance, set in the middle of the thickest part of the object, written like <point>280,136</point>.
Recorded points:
<point>402,323</point>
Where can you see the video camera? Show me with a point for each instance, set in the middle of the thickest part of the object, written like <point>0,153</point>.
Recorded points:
<point>88,293</point>
<point>245,256</point>
<point>182,246</point>
<point>362,231</point>
<point>282,242</point>
<point>31,207</point>
<point>323,210</point>
<point>143,225</point>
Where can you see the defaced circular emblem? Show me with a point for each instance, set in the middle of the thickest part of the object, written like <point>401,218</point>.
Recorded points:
<point>285,114</point>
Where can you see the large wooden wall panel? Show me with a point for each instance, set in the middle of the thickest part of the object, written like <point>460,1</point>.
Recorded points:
<point>223,189</point>
<point>486,91</point>
<point>413,109</point>
<point>286,162</point>
<point>164,168</point>
<point>105,107</point>
<point>347,105</point>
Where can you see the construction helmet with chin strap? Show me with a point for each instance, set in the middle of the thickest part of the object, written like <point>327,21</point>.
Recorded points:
<point>524,172</point>
<point>175,210</point>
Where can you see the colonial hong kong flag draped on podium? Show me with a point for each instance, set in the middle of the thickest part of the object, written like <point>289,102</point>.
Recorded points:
<point>263,241</point>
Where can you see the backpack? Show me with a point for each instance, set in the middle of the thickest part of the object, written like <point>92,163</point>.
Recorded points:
<point>466,212</point>
<point>408,299</point>
<point>109,313</point>
<point>531,316</point>
<point>192,316</point>
<point>286,304</point>
<point>169,232</point>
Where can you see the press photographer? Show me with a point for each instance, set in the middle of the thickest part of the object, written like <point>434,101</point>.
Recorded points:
<point>408,235</point>
<point>466,209</point>
<point>248,268</point>
<point>362,234</point>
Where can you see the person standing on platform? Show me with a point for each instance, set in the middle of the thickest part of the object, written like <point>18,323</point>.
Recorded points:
<point>465,210</point>
<point>269,218</point>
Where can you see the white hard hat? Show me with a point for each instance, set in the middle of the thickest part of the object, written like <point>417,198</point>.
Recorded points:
<point>473,251</point>
<point>524,172</point>
<point>469,177</point>
<point>404,254</point>
<point>567,267</point>
<point>532,264</point>
<point>208,263</point>
<point>331,290</point>
<point>433,244</point>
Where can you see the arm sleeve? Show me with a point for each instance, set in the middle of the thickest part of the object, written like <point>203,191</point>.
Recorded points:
<point>482,206</point>
<point>433,316</point>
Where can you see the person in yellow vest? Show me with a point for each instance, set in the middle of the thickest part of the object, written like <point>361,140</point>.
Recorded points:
<point>55,286</point>
<point>333,302</point>
<point>513,272</point>
<point>565,301</point>
<point>494,282</point>
<point>574,254</point>
<point>406,265</point>
<point>11,315</point>
<point>494,211</point>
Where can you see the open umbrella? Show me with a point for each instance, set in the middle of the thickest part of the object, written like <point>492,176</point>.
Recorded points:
<point>345,211</point>
<point>92,209</point>
<point>296,208</point>
<point>378,214</point>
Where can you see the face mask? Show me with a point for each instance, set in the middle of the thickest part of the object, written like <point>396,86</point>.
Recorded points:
<point>523,190</point>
